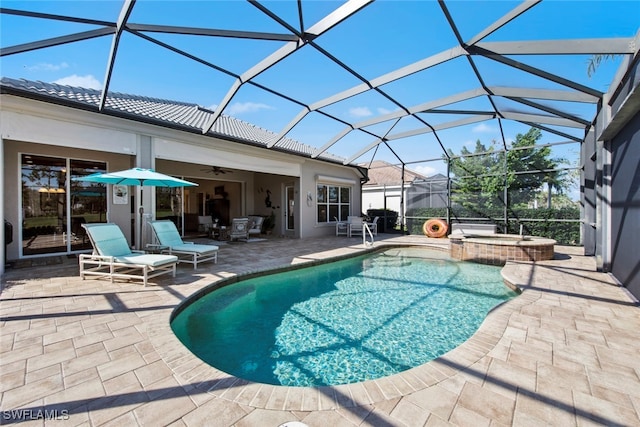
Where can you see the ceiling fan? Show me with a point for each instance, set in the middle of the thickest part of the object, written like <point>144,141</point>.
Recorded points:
<point>216,170</point>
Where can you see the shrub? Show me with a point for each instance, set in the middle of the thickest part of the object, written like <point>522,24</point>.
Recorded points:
<point>391,219</point>
<point>565,233</point>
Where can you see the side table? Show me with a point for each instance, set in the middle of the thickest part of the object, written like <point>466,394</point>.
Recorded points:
<point>155,249</point>
<point>221,233</point>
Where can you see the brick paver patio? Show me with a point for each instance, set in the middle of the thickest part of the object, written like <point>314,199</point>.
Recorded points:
<point>565,352</point>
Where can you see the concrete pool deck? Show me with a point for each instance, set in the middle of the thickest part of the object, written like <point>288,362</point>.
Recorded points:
<point>91,352</point>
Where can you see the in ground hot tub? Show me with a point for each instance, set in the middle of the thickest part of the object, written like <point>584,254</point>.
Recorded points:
<point>497,249</point>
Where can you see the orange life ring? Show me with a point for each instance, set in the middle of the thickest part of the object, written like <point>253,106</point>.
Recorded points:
<point>435,228</point>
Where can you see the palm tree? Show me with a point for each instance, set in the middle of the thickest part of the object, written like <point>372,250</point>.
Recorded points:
<point>595,60</point>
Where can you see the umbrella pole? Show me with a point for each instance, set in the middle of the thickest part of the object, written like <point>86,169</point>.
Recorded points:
<point>140,225</point>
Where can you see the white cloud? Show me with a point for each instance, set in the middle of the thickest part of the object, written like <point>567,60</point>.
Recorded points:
<point>360,112</point>
<point>247,107</point>
<point>87,82</point>
<point>43,66</point>
<point>383,111</point>
<point>482,128</point>
<point>425,170</point>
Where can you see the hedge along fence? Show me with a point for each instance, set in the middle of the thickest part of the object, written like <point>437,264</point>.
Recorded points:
<point>391,219</point>
<point>562,224</point>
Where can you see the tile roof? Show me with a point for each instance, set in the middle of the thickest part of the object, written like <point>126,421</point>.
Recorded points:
<point>179,115</point>
<point>384,173</point>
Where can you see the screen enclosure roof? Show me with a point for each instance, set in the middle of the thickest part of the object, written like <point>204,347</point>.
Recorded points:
<point>406,82</point>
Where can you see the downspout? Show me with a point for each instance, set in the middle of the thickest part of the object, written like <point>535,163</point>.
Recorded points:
<point>363,180</point>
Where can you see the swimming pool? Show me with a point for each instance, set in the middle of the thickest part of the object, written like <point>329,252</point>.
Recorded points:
<point>342,322</point>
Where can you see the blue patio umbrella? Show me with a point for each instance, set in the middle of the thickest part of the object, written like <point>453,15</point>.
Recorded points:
<point>136,176</point>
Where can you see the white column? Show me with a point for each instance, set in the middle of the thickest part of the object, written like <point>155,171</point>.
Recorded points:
<point>145,196</point>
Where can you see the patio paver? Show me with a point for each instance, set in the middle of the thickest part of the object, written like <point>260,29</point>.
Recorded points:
<point>98,353</point>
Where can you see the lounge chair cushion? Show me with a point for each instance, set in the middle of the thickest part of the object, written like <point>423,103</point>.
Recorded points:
<point>201,249</point>
<point>167,233</point>
<point>109,240</point>
<point>153,260</point>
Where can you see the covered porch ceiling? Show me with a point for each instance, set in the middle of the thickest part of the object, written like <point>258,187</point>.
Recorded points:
<point>405,82</point>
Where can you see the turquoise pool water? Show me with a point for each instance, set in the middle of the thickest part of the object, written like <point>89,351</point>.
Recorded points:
<point>346,321</point>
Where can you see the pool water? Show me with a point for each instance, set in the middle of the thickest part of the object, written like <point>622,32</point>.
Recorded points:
<point>342,322</point>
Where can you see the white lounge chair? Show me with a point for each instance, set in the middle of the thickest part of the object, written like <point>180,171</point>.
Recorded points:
<point>170,242</point>
<point>113,258</point>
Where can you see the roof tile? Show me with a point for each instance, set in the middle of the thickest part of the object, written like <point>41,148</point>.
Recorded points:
<point>175,113</point>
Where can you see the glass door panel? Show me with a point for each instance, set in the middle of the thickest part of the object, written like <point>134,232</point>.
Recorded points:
<point>88,202</point>
<point>290,208</point>
<point>44,207</point>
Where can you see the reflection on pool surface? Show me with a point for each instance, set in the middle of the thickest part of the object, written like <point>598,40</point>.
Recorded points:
<point>346,321</point>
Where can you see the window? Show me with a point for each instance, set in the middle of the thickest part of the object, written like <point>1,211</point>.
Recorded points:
<point>334,203</point>
<point>48,195</point>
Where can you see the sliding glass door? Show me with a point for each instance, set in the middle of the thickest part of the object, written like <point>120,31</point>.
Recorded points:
<point>48,195</point>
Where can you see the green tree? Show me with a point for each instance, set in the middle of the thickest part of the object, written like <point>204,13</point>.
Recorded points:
<point>477,175</point>
<point>483,176</point>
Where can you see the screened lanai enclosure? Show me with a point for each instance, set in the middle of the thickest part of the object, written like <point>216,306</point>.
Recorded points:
<point>515,107</point>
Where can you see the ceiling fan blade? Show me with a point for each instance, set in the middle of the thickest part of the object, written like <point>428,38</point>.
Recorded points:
<point>216,170</point>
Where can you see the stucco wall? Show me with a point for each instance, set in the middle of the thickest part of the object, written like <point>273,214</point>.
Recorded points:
<point>314,171</point>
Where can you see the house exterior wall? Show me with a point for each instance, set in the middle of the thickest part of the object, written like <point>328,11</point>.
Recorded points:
<point>314,173</point>
<point>46,129</point>
<point>268,198</point>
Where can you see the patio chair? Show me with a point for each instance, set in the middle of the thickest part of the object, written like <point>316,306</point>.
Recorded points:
<point>170,242</point>
<point>373,226</point>
<point>354,226</point>
<point>255,225</point>
<point>342,227</point>
<point>239,229</point>
<point>113,258</point>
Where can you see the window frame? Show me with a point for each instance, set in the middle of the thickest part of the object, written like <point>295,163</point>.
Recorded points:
<point>330,195</point>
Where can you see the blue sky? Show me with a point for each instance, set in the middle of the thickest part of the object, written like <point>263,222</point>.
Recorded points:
<point>380,38</point>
